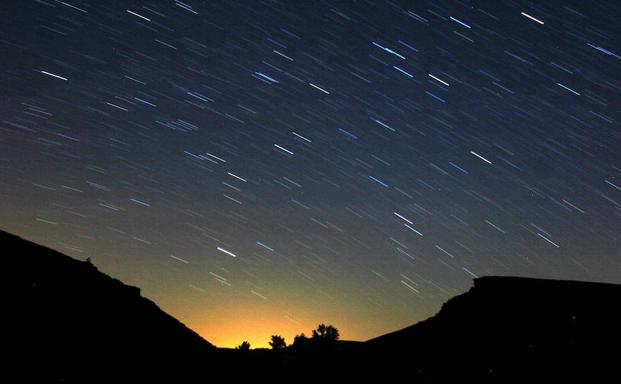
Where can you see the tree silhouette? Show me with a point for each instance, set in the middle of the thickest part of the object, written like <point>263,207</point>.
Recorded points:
<point>325,333</point>
<point>300,339</point>
<point>277,342</point>
<point>301,342</point>
<point>245,346</point>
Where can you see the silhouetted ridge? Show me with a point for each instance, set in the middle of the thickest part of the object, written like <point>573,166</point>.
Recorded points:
<point>69,319</point>
<point>68,322</point>
<point>506,327</point>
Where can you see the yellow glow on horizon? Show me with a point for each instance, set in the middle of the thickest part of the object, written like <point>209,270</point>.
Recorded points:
<point>257,331</point>
<point>223,318</point>
<point>227,324</point>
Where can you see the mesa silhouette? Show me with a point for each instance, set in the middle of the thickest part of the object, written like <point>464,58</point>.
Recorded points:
<point>68,322</point>
<point>512,329</point>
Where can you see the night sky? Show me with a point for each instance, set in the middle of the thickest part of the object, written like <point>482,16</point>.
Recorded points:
<point>259,167</point>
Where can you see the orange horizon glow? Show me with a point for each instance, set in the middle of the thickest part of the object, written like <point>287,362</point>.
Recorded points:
<point>226,323</point>
<point>257,332</point>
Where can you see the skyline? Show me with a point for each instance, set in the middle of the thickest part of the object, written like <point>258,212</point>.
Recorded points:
<point>258,168</point>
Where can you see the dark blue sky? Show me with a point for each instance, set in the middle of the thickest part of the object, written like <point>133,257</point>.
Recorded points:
<point>260,167</point>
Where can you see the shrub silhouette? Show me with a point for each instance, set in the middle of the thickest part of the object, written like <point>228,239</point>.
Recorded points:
<point>277,342</point>
<point>300,339</point>
<point>301,343</point>
<point>325,333</point>
<point>245,346</point>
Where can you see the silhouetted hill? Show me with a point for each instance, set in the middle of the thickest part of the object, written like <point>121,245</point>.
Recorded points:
<point>503,330</point>
<point>70,322</point>
<point>511,328</point>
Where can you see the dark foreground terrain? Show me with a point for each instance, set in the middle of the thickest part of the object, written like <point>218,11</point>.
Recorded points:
<point>68,322</point>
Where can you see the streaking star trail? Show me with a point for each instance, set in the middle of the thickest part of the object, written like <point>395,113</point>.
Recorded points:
<point>260,167</point>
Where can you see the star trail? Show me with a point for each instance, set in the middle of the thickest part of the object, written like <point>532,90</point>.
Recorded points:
<point>259,167</point>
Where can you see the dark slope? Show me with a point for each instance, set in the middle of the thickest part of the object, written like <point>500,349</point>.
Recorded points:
<point>68,321</point>
<point>510,328</point>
